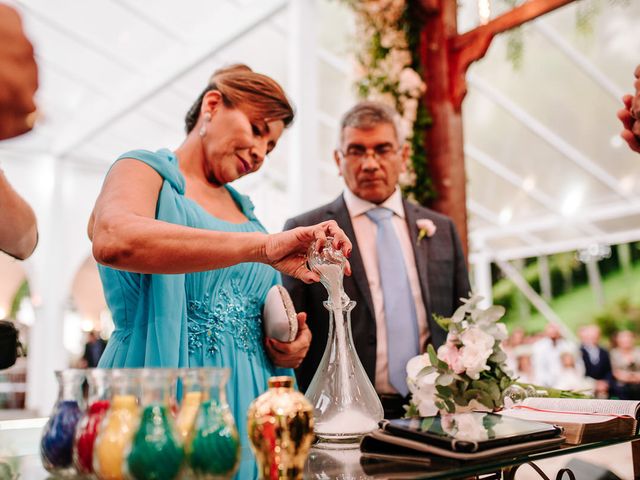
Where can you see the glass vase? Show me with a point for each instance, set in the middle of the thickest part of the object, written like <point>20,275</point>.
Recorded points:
<point>156,450</point>
<point>346,406</point>
<point>214,445</point>
<point>87,429</point>
<point>280,426</point>
<point>56,444</point>
<point>118,425</point>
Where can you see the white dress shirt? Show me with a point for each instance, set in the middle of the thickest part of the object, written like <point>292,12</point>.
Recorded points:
<point>365,231</point>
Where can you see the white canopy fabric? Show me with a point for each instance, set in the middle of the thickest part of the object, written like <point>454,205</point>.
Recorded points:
<point>546,169</point>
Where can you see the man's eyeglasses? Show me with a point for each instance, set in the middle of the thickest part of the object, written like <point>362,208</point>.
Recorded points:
<point>358,153</point>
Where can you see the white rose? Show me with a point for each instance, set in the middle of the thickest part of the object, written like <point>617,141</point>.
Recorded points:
<point>410,82</point>
<point>474,359</point>
<point>476,337</point>
<point>470,427</point>
<point>423,389</point>
<point>416,364</point>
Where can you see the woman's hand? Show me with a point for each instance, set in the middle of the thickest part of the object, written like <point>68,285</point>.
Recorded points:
<point>287,251</point>
<point>290,355</point>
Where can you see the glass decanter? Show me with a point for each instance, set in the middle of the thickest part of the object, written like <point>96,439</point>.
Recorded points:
<point>118,425</point>
<point>346,406</point>
<point>156,450</point>
<point>87,429</point>
<point>214,445</point>
<point>56,444</point>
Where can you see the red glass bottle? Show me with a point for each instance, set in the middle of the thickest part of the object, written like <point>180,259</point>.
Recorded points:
<point>88,427</point>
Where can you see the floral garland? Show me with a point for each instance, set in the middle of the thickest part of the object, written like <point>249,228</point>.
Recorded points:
<point>387,71</point>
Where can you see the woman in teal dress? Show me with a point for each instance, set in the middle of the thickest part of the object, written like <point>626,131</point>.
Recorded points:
<point>184,262</point>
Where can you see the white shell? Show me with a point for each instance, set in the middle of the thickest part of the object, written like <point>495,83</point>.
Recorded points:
<point>279,315</point>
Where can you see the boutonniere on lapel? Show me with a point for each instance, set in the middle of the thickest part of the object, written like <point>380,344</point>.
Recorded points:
<point>426,229</point>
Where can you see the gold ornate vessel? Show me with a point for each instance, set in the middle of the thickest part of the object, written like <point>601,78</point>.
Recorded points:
<point>280,425</point>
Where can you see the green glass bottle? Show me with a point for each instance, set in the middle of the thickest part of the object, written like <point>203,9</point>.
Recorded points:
<point>214,445</point>
<point>156,451</point>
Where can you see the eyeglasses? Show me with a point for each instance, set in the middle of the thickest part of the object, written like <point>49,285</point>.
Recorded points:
<point>358,153</point>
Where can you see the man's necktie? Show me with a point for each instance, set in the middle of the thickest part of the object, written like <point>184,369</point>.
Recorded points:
<point>399,307</point>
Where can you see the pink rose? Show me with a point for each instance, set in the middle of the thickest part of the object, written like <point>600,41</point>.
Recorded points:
<point>451,355</point>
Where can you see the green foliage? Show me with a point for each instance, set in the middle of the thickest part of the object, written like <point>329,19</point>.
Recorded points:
<point>622,315</point>
<point>22,292</point>
<point>565,270</point>
<point>422,190</point>
<point>515,47</point>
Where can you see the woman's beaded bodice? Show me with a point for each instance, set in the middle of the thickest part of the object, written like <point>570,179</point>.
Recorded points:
<point>233,316</point>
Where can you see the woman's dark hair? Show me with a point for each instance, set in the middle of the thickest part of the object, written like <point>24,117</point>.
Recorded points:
<point>260,96</point>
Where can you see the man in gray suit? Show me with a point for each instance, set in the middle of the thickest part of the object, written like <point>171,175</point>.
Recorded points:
<point>407,263</point>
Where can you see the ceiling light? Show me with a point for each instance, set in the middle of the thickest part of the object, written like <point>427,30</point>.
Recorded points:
<point>505,215</point>
<point>571,202</point>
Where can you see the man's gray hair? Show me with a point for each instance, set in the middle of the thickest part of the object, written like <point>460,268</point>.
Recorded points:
<point>368,114</point>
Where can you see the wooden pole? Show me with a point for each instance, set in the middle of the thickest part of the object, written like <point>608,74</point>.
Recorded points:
<point>443,140</point>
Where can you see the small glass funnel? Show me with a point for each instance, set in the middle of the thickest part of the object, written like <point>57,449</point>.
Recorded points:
<point>346,406</point>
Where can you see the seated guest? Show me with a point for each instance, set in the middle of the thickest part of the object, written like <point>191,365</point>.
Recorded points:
<point>570,378</point>
<point>184,261</point>
<point>547,351</point>
<point>523,364</point>
<point>625,361</point>
<point>597,364</point>
<point>401,279</point>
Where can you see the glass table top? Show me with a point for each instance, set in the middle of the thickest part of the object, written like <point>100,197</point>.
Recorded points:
<point>19,448</point>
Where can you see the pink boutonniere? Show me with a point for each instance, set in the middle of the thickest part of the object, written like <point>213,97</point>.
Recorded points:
<point>427,229</point>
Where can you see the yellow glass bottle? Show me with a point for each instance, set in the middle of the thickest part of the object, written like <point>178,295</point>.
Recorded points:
<point>118,426</point>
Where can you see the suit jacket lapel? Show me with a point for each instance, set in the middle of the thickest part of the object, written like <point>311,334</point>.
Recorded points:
<point>420,252</point>
<point>338,209</point>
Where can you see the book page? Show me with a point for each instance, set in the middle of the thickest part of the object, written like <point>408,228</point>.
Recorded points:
<point>555,417</point>
<point>608,407</point>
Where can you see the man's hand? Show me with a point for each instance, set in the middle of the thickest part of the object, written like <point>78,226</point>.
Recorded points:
<point>290,355</point>
<point>18,76</point>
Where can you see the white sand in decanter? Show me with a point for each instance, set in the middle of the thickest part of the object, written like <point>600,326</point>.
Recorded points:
<point>332,274</point>
<point>347,421</point>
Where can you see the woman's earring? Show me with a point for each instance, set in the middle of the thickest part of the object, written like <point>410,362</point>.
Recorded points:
<point>203,130</point>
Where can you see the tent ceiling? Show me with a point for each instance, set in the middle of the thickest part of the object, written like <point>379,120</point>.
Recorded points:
<point>546,169</point>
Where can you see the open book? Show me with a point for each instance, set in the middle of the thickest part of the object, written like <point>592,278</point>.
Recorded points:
<point>583,420</point>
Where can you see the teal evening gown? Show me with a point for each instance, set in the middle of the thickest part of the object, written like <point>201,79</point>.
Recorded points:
<point>210,319</point>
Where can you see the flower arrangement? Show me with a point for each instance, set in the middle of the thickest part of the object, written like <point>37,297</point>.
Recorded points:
<point>387,71</point>
<point>469,371</point>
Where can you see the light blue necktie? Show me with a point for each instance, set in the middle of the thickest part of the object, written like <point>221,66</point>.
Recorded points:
<point>399,308</point>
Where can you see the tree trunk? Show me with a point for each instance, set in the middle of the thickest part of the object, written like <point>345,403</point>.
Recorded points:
<point>443,139</point>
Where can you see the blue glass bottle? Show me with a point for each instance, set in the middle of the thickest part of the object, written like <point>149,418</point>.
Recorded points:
<point>56,445</point>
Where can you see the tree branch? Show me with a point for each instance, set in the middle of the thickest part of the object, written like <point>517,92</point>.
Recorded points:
<point>471,46</point>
